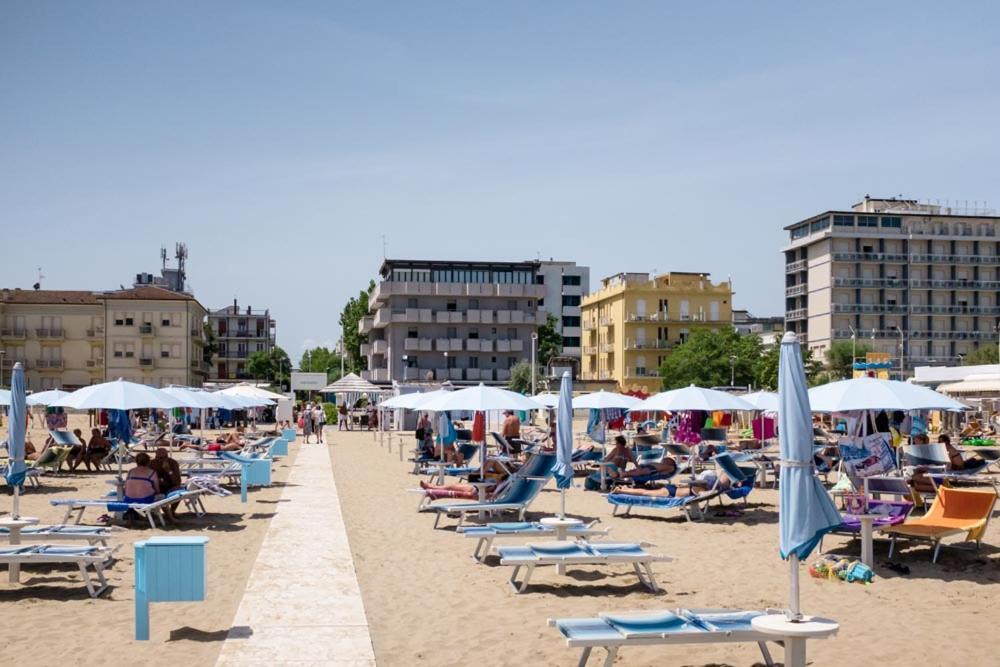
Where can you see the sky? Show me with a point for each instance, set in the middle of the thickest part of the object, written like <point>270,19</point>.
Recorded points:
<point>291,144</point>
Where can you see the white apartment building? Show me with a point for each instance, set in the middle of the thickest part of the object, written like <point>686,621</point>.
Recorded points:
<point>239,332</point>
<point>467,322</point>
<point>72,338</point>
<point>918,281</point>
<point>565,286</point>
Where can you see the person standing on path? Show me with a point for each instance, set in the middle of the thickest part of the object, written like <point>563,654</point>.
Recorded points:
<point>319,419</point>
<point>307,422</point>
<point>343,420</point>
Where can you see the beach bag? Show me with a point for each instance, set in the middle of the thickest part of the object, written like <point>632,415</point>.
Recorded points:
<point>419,434</point>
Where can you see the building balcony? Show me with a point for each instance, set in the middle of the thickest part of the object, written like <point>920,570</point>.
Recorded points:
<point>590,349</point>
<point>50,334</point>
<point>146,362</point>
<point>502,375</point>
<point>795,267</point>
<point>571,351</point>
<point>798,290</point>
<point>146,330</point>
<point>383,316</point>
<point>49,364</point>
<point>95,364</point>
<point>448,344</point>
<point>891,283</point>
<point>647,344</point>
<point>13,334</point>
<point>954,259</point>
<point>8,364</point>
<point>641,373</point>
<point>865,334</point>
<point>380,346</point>
<point>870,257</point>
<point>375,375</point>
<point>955,310</point>
<point>386,289</point>
<point>365,349</point>
<point>448,317</point>
<point>607,321</point>
<point>609,348</point>
<point>485,345</point>
<point>366,324</point>
<point>474,374</point>
<point>479,316</point>
<point>96,332</point>
<point>869,308</point>
<point>797,314</point>
<point>961,284</point>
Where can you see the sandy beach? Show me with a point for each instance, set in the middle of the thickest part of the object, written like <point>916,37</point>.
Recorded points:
<point>51,619</point>
<point>428,602</point>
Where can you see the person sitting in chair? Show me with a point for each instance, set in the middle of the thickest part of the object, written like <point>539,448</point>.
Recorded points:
<point>955,459</point>
<point>142,484</point>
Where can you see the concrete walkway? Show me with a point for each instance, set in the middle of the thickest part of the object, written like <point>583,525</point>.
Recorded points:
<point>302,603</point>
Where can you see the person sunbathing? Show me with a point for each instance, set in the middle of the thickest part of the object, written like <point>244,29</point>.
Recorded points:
<point>666,467</point>
<point>972,429</point>
<point>955,459</point>
<point>494,472</point>
<point>706,480</point>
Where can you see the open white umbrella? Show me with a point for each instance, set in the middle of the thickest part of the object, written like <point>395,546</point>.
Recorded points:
<point>248,390</point>
<point>193,399</point>
<point>548,399</point>
<point>764,401</point>
<point>229,401</point>
<point>46,397</point>
<point>691,398</point>
<point>481,398</point>
<point>117,395</point>
<point>867,393</point>
<point>605,400</point>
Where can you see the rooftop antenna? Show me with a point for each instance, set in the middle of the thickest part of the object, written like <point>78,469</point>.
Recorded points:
<point>163,255</point>
<point>38,285</point>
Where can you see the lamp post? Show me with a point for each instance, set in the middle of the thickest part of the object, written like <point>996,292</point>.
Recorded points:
<point>447,370</point>
<point>854,347</point>
<point>902,353</point>
<point>732,371</point>
<point>534,346</point>
<point>406,365</point>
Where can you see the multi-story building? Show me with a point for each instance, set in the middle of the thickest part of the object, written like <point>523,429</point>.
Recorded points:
<point>634,319</point>
<point>69,339</point>
<point>467,322</point>
<point>239,332</point>
<point>769,328</point>
<point>565,286</point>
<point>920,282</point>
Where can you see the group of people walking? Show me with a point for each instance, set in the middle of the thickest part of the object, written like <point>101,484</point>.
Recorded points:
<point>312,419</point>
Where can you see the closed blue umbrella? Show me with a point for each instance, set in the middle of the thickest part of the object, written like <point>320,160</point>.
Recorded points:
<point>564,441</point>
<point>15,442</point>
<point>120,429</point>
<point>806,510</point>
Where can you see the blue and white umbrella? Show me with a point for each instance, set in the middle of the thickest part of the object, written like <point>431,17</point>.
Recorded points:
<point>564,441</point>
<point>18,423</point>
<point>806,510</point>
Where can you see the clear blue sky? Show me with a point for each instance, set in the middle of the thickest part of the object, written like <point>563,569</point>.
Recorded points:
<point>281,140</point>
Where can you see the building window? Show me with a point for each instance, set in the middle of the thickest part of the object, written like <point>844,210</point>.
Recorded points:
<point>473,304</point>
<point>451,306</point>
<point>451,332</point>
<point>571,280</point>
<point>571,300</point>
<point>411,303</point>
<point>411,333</point>
<point>540,279</point>
<point>800,232</point>
<point>571,341</point>
<point>473,362</point>
<point>867,221</point>
<point>571,321</point>
<point>511,333</point>
<point>843,221</point>
<point>892,221</point>
<point>819,225</point>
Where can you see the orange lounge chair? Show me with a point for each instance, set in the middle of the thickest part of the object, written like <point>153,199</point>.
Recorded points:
<point>954,511</point>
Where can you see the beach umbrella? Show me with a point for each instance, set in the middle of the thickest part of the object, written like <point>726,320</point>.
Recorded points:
<point>46,397</point>
<point>18,424</point>
<point>605,400</point>
<point>764,401</point>
<point>228,401</point>
<point>691,398</point>
<point>867,393</point>
<point>4,397</point>
<point>548,399</point>
<point>564,441</point>
<point>201,400</point>
<point>482,398</point>
<point>806,511</point>
<point>117,395</point>
<point>248,390</point>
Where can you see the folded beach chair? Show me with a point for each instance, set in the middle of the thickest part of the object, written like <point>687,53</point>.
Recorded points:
<point>487,534</point>
<point>579,553</point>
<point>954,512</point>
<point>83,557</point>
<point>661,628</point>
<point>890,513</point>
<point>150,511</point>
<point>93,535</point>
<point>516,497</point>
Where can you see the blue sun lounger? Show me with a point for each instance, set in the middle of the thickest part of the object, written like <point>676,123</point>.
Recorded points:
<point>579,553</point>
<point>487,534</point>
<point>192,499</point>
<point>661,628</point>
<point>517,496</point>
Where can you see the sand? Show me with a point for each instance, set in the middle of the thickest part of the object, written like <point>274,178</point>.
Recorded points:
<point>428,602</point>
<point>50,618</point>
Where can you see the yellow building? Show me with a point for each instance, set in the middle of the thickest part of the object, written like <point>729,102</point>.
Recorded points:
<point>631,323</point>
<point>72,338</point>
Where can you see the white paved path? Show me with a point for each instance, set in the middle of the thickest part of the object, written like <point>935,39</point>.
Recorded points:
<point>303,603</point>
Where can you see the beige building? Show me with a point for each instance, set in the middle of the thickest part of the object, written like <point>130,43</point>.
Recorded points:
<point>69,339</point>
<point>633,320</point>
<point>239,332</point>
<point>917,281</point>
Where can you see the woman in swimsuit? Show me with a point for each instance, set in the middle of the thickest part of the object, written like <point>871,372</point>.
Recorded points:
<point>141,485</point>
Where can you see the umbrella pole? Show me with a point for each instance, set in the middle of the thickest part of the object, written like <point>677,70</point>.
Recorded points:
<point>15,508</point>
<point>794,612</point>
<point>562,503</point>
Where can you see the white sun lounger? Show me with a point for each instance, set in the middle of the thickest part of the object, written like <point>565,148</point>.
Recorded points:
<point>93,535</point>
<point>487,534</point>
<point>661,628</point>
<point>36,554</point>
<point>580,553</point>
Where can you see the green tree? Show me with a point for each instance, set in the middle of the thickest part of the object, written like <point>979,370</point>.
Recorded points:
<point>520,377</point>
<point>259,366</point>
<point>321,360</point>
<point>712,359</point>
<point>281,367</point>
<point>840,357</point>
<point>767,368</point>
<point>211,344</point>
<point>984,354</point>
<point>355,309</point>
<point>549,341</point>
